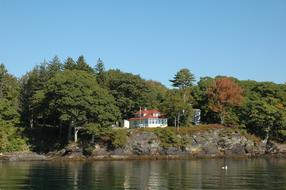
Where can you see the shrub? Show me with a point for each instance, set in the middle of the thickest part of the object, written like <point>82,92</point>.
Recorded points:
<point>88,150</point>
<point>11,140</point>
<point>118,138</point>
<point>168,137</point>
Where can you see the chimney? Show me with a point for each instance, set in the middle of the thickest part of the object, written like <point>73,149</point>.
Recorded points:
<point>145,109</point>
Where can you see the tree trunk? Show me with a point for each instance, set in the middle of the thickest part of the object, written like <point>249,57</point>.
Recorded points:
<point>31,118</point>
<point>76,130</point>
<point>267,135</point>
<point>92,139</point>
<point>75,134</point>
<point>175,122</point>
<point>31,122</point>
<point>179,119</point>
<point>221,115</point>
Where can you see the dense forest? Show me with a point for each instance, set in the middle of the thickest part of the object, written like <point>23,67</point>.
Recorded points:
<point>45,109</point>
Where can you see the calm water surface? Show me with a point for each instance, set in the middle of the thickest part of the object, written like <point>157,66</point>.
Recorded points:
<point>175,174</point>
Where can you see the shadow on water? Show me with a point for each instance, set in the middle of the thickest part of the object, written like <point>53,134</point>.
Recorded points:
<point>173,174</point>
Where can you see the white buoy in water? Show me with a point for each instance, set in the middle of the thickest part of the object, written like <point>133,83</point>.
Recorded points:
<point>224,167</point>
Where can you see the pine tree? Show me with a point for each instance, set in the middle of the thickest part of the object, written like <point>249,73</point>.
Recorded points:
<point>100,72</point>
<point>69,64</point>
<point>83,66</point>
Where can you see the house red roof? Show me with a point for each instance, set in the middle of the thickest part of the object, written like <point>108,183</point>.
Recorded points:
<point>145,117</point>
<point>147,114</point>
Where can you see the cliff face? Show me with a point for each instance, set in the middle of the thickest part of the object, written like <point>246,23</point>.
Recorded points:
<point>209,143</point>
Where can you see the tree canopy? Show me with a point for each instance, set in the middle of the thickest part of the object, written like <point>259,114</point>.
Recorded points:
<point>10,135</point>
<point>55,99</point>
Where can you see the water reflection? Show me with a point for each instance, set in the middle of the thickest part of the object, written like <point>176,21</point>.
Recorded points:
<point>153,175</point>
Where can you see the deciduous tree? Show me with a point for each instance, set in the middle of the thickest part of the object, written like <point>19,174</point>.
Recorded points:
<point>222,93</point>
<point>130,91</point>
<point>77,99</point>
<point>177,111</point>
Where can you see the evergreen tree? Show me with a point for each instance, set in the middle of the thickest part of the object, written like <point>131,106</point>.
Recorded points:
<point>10,134</point>
<point>100,72</point>
<point>34,110</point>
<point>183,80</point>
<point>82,65</point>
<point>69,64</point>
<point>54,67</point>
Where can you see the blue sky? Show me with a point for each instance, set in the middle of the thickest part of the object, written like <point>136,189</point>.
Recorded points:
<point>154,38</point>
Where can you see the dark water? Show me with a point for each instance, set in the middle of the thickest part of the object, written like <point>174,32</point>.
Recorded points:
<point>180,174</point>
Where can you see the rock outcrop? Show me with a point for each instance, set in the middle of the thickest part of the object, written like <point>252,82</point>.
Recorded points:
<point>148,144</point>
<point>22,156</point>
<point>223,142</point>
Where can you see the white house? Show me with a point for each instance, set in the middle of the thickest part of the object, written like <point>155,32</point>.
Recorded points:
<point>148,118</point>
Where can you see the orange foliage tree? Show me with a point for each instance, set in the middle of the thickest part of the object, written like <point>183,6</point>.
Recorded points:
<point>224,93</point>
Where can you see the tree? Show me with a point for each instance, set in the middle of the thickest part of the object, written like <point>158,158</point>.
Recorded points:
<point>3,72</point>
<point>69,64</point>
<point>178,111</point>
<point>80,64</point>
<point>77,99</point>
<point>183,80</point>
<point>201,101</point>
<point>54,67</point>
<point>32,85</point>
<point>100,72</point>
<point>10,135</point>
<point>9,86</point>
<point>157,94</point>
<point>130,91</point>
<point>9,94</point>
<point>83,66</point>
<point>222,94</point>
<point>264,112</point>
<point>264,119</point>
<point>99,68</point>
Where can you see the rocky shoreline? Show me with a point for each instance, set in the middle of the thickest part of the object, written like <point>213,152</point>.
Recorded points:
<point>31,156</point>
<point>142,145</point>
